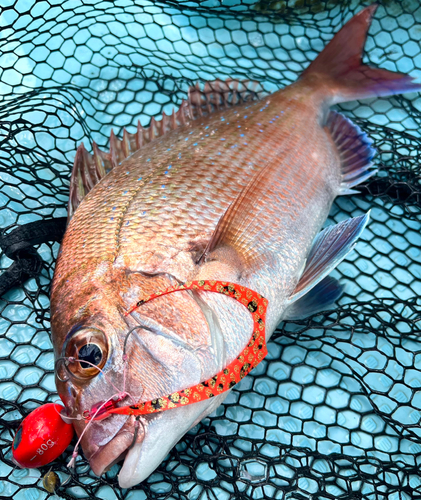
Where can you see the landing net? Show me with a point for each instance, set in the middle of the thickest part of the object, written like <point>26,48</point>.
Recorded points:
<point>334,410</point>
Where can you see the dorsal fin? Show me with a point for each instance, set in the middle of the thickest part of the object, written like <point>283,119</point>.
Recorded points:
<point>355,151</point>
<point>89,169</point>
<point>219,95</point>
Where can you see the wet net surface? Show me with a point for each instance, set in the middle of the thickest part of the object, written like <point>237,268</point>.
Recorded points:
<point>334,411</point>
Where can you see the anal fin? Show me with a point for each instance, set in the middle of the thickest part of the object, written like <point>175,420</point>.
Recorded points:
<point>355,151</point>
<point>329,248</point>
<point>320,298</point>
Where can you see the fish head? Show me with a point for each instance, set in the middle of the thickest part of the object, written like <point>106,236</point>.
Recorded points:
<point>104,356</point>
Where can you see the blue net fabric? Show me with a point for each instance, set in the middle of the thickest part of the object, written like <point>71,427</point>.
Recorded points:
<point>334,410</point>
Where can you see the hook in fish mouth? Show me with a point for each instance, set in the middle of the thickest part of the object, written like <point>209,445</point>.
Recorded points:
<point>131,433</point>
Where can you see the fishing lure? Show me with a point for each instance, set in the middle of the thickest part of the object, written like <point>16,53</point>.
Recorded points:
<point>54,434</point>
<point>248,359</point>
<point>41,437</point>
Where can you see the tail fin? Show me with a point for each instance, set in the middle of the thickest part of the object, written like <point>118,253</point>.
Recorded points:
<point>340,64</point>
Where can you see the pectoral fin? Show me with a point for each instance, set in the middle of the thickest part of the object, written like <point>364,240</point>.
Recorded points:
<point>320,298</point>
<point>330,247</point>
<point>233,225</point>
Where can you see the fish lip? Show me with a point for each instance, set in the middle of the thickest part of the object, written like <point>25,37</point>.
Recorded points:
<point>116,449</point>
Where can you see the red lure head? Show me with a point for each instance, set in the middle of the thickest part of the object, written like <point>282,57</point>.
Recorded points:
<point>248,359</point>
<point>41,437</point>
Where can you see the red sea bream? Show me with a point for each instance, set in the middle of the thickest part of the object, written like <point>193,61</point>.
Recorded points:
<point>229,188</point>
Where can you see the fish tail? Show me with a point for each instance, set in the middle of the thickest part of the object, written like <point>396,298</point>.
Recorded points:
<point>339,66</point>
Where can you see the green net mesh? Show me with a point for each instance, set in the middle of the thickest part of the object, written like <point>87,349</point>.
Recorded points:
<point>334,411</point>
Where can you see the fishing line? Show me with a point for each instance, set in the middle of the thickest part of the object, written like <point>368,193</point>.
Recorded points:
<point>70,359</point>
<point>75,454</point>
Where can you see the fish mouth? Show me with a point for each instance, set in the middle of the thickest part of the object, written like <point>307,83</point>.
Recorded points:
<point>116,449</point>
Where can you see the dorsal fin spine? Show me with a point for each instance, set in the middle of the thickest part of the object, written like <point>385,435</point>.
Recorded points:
<point>152,129</point>
<point>139,135</point>
<point>89,169</point>
<point>113,149</point>
<point>126,143</point>
<point>173,120</point>
<point>165,123</point>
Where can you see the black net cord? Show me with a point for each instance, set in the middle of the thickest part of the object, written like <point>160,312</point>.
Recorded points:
<point>18,245</point>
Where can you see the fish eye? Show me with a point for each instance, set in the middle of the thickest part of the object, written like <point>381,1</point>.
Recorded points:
<point>89,347</point>
<point>90,353</point>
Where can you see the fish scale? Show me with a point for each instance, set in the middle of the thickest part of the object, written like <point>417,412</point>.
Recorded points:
<point>197,191</point>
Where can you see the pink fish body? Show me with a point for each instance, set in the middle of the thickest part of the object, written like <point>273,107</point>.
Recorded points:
<point>238,194</point>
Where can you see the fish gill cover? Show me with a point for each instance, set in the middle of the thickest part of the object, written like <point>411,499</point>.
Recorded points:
<point>334,410</point>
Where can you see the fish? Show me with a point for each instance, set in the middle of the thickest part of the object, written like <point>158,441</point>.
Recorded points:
<point>235,186</point>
